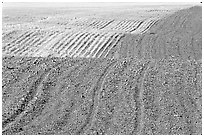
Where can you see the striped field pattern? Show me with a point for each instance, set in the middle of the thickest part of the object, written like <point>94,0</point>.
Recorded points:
<point>36,43</point>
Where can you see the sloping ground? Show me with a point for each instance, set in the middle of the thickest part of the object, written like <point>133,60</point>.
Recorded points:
<point>178,35</point>
<point>101,96</point>
<point>149,83</point>
<point>42,43</point>
<point>64,35</point>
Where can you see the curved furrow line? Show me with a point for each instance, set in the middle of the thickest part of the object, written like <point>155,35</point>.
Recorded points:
<point>82,45</point>
<point>98,24</point>
<point>60,42</point>
<point>138,97</point>
<point>138,26</point>
<point>46,44</point>
<point>74,77</point>
<point>103,24</point>
<point>94,22</point>
<point>149,25</point>
<point>97,102</point>
<point>23,43</point>
<point>94,96</point>
<point>55,40</point>
<point>30,49</point>
<point>100,46</point>
<point>112,45</point>
<point>107,100</point>
<point>141,27</point>
<point>106,24</point>
<point>134,25</point>
<point>43,42</point>
<point>112,37</point>
<point>95,45</point>
<point>35,108</point>
<point>61,46</point>
<point>40,44</point>
<point>25,100</point>
<point>128,25</point>
<point>124,25</point>
<point>20,38</point>
<point>83,50</point>
<point>12,43</point>
<point>69,44</point>
<point>25,36</point>
<point>48,85</point>
<point>116,27</point>
<point>76,43</point>
<point>144,24</point>
<point>26,50</point>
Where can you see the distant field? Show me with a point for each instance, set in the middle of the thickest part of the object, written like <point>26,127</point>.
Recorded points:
<point>81,32</point>
<point>104,69</point>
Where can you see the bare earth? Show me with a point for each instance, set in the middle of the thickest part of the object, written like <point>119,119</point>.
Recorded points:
<point>116,70</point>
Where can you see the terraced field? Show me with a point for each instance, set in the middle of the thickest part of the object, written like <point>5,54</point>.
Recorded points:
<point>96,71</point>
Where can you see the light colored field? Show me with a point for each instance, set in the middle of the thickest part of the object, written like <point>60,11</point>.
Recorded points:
<point>102,70</point>
<point>75,31</point>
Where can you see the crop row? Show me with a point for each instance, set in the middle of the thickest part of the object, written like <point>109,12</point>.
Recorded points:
<point>137,26</point>
<point>73,44</point>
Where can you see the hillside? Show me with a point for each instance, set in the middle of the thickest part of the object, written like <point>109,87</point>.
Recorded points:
<point>140,75</point>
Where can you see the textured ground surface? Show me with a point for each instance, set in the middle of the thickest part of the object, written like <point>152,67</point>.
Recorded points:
<point>93,96</point>
<point>105,82</point>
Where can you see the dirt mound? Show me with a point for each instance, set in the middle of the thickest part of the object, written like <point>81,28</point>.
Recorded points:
<point>178,35</point>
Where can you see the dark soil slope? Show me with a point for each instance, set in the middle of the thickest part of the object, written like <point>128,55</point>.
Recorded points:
<point>101,96</point>
<point>178,35</point>
<point>152,86</point>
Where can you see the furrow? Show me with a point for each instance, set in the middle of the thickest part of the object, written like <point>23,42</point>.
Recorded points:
<point>66,44</point>
<point>41,45</point>
<point>94,97</point>
<point>113,45</point>
<point>26,51</point>
<point>63,43</point>
<point>45,45</point>
<point>100,45</point>
<point>76,44</point>
<point>69,45</point>
<point>106,24</point>
<point>23,44</point>
<point>149,25</point>
<point>95,45</point>
<point>138,26</point>
<point>60,42</point>
<point>87,45</point>
<point>30,95</point>
<point>98,55</point>
<point>12,43</point>
<point>83,45</point>
<point>18,52</point>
